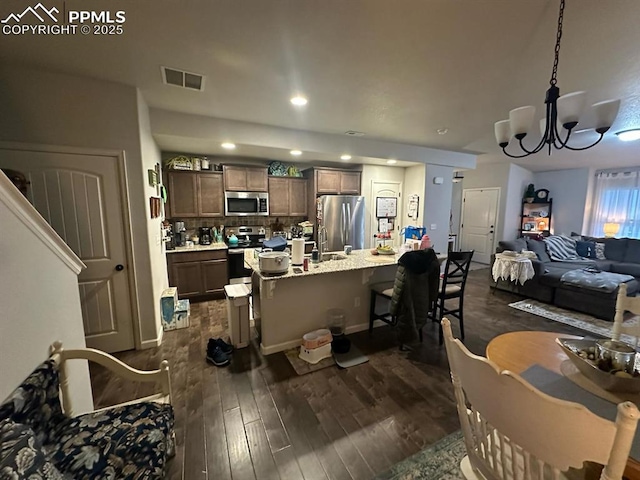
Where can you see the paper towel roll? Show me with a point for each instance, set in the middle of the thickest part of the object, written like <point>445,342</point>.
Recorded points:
<point>297,251</point>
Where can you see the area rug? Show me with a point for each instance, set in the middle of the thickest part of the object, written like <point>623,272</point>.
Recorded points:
<point>439,461</point>
<point>575,319</point>
<point>301,367</point>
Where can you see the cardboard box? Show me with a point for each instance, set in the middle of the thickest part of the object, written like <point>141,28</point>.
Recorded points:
<point>183,312</point>
<point>168,301</point>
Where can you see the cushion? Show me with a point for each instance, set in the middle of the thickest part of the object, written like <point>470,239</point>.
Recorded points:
<point>539,248</point>
<point>124,442</point>
<point>600,251</point>
<point>615,248</point>
<point>22,455</point>
<point>632,255</point>
<point>36,402</point>
<point>626,268</point>
<point>586,249</point>
<point>516,245</point>
<point>561,248</point>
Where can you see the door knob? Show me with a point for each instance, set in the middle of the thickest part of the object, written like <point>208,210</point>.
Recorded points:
<point>119,267</point>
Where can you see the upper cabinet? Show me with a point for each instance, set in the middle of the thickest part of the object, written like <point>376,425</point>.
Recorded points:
<point>245,179</point>
<point>335,181</point>
<point>194,194</point>
<point>287,196</point>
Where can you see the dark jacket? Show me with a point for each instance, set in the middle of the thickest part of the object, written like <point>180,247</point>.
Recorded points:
<point>414,289</point>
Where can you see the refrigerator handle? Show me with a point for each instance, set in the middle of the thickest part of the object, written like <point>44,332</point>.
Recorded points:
<point>343,226</point>
<point>348,226</point>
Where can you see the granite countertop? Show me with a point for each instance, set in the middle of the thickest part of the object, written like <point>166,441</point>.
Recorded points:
<point>200,248</point>
<point>358,260</point>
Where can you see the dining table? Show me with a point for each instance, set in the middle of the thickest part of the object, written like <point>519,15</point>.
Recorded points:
<point>519,352</point>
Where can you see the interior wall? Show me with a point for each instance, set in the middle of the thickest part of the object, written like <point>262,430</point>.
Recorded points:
<point>380,173</point>
<point>48,108</point>
<point>519,178</point>
<point>492,175</point>
<point>413,184</point>
<point>569,190</point>
<point>40,304</point>
<point>437,205</point>
<point>150,154</point>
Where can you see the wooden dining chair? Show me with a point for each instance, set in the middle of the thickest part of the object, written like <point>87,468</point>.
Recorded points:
<point>452,284</point>
<point>625,304</point>
<point>513,431</point>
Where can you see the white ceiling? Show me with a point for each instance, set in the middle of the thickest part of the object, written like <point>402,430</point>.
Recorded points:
<point>397,71</point>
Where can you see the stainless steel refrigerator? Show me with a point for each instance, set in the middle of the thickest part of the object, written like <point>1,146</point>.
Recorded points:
<point>343,217</point>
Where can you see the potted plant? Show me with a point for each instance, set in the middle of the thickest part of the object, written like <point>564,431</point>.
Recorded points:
<point>529,194</point>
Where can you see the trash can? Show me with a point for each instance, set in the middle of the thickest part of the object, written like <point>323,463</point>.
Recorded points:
<point>238,314</point>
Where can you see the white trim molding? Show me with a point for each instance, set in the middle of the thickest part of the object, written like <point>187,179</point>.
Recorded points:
<point>29,217</point>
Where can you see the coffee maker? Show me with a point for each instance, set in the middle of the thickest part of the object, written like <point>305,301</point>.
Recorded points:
<point>205,236</point>
<point>179,234</point>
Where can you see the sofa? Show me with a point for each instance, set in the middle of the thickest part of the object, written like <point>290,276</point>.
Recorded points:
<point>39,440</point>
<point>620,256</point>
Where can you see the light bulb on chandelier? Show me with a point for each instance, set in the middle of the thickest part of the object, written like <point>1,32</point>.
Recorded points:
<point>562,115</point>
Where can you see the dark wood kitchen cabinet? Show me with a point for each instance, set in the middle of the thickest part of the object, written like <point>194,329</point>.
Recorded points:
<point>287,196</point>
<point>334,181</point>
<point>201,274</point>
<point>195,194</point>
<point>245,179</point>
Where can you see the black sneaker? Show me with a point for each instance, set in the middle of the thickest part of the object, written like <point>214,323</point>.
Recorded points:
<point>216,356</point>
<point>224,346</point>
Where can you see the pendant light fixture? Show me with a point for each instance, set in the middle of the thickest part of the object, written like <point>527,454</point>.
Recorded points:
<point>562,115</point>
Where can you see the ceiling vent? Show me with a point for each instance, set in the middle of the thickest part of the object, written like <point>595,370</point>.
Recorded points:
<point>180,78</point>
<point>353,133</point>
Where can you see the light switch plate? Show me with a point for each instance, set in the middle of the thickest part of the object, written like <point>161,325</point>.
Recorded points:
<point>438,180</point>
<point>433,226</point>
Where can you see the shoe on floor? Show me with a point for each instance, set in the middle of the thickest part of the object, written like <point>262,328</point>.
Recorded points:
<point>216,356</point>
<point>220,343</point>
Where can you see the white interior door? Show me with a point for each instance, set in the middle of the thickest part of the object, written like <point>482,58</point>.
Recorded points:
<point>80,196</point>
<point>386,190</point>
<point>478,222</point>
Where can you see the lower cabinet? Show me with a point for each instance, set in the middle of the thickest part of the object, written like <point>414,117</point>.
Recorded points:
<point>198,274</point>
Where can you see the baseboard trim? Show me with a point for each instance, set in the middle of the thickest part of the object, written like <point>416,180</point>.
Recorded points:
<point>153,343</point>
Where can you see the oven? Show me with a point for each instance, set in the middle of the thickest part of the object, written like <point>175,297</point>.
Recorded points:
<point>243,204</point>
<point>249,236</point>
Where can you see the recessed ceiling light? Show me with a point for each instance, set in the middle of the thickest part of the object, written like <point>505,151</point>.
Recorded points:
<point>295,153</point>
<point>345,157</point>
<point>228,145</point>
<point>629,135</point>
<point>299,101</point>
<point>391,161</point>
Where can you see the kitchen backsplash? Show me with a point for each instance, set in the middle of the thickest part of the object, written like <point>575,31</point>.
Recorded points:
<point>192,224</point>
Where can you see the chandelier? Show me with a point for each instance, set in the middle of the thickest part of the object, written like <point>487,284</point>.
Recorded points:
<point>562,115</point>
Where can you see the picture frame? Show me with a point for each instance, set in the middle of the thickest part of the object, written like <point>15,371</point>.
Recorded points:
<point>529,226</point>
<point>386,207</point>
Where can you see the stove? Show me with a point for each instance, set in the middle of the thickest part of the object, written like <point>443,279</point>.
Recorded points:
<point>249,236</point>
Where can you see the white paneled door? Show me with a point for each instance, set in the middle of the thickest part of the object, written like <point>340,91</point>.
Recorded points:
<point>478,221</point>
<point>81,197</point>
<point>386,190</point>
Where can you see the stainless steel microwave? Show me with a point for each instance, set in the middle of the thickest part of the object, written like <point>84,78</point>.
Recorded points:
<point>244,204</point>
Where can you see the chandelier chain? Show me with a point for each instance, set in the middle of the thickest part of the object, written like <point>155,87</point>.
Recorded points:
<point>554,73</point>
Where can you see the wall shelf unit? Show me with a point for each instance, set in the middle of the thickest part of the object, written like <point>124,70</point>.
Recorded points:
<point>535,218</point>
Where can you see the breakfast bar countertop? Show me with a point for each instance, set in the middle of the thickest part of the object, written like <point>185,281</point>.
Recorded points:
<point>200,248</point>
<point>357,260</point>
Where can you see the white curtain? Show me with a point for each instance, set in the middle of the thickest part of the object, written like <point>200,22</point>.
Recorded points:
<point>617,200</point>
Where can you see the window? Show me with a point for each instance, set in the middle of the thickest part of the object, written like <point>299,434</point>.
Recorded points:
<point>617,200</point>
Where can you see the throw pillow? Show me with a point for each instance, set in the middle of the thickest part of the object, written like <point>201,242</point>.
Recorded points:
<point>615,248</point>
<point>632,254</point>
<point>561,248</point>
<point>539,248</point>
<point>586,249</point>
<point>600,251</point>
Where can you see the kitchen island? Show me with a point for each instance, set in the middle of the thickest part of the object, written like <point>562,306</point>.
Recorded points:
<point>289,305</point>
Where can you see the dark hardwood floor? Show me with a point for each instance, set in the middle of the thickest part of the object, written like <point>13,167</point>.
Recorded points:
<point>258,419</point>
